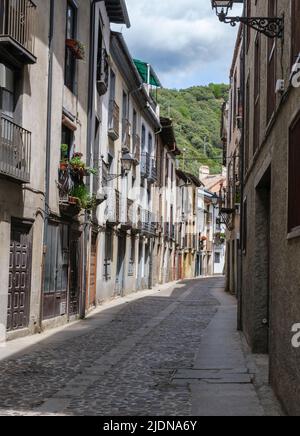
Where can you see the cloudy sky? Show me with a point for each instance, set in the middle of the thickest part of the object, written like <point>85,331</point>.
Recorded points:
<point>182,39</point>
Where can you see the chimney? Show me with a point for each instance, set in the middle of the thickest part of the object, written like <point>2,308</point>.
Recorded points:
<point>203,172</point>
<point>224,172</point>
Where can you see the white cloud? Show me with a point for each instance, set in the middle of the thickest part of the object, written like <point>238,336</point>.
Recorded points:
<point>182,39</point>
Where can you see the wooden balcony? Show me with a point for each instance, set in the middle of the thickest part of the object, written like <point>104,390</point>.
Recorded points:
<point>126,136</point>
<point>15,151</point>
<point>17,31</point>
<point>114,120</point>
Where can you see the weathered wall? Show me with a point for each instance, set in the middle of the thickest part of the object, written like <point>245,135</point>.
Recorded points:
<point>284,277</point>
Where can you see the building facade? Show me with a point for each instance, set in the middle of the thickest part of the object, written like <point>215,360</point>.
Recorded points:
<point>231,135</point>
<point>47,59</point>
<point>269,296</point>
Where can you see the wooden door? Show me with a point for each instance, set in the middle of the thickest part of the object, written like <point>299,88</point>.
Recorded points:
<point>75,275</point>
<point>56,271</point>
<point>121,264</point>
<point>91,300</point>
<point>19,277</point>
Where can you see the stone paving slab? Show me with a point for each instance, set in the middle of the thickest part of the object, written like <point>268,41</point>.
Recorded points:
<point>128,360</point>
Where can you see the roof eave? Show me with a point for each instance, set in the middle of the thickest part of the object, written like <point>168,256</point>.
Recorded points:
<point>117,12</point>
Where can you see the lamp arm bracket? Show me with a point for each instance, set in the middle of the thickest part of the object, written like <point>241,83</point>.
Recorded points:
<point>271,27</point>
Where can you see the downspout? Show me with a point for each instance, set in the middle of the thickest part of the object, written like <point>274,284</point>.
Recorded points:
<point>48,151</point>
<point>90,136</point>
<point>242,169</point>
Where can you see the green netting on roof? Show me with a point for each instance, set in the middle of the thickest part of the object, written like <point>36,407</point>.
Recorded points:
<point>142,68</point>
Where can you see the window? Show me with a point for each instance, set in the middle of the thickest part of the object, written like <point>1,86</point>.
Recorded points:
<point>167,171</point>
<point>294,177</point>
<point>108,255</point>
<point>7,91</point>
<point>217,257</point>
<point>295,39</point>
<point>67,139</point>
<point>150,145</point>
<point>70,61</point>
<point>57,255</point>
<point>245,226</point>
<point>247,127</point>
<point>132,258</point>
<point>143,139</point>
<point>124,116</point>
<point>134,123</point>
<point>256,124</point>
<point>248,29</point>
<point>271,72</point>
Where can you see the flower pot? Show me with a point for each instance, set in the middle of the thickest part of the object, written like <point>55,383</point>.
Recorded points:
<point>74,46</point>
<point>63,166</point>
<point>73,200</point>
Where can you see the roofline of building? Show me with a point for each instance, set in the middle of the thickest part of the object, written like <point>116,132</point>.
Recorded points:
<point>134,79</point>
<point>117,12</point>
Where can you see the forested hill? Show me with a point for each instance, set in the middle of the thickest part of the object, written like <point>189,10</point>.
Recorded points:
<point>196,113</point>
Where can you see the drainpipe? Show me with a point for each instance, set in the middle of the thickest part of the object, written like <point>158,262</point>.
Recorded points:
<point>48,149</point>
<point>90,139</point>
<point>242,169</point>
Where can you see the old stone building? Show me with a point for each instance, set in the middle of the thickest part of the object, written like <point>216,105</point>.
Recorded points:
<point>126,218</point>
<point>49,53</point>
<point>231,135</point>
<point>269,300</point>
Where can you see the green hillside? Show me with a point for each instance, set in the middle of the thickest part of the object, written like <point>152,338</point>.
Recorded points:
<point>196,113</point>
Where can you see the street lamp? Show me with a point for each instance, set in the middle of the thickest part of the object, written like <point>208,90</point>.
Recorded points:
<point>127,162</point>
<point>273,27</point>
<point>215,200</point>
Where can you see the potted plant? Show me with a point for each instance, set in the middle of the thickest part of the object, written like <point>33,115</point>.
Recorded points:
<point>73,200</point>
<point>79,168</point>
<point>77,48</point>
<point>81,193</point>
<point>64,163</point>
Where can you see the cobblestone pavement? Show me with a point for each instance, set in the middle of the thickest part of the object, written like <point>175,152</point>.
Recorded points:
<point>117,362</point>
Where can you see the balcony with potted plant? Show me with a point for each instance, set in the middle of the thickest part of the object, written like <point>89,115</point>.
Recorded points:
<point>73,193</point>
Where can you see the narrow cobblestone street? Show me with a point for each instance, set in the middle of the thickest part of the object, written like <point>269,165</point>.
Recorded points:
<point>134,358</point>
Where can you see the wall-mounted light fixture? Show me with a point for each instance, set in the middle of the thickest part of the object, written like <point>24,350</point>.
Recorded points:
<point>273,27</point>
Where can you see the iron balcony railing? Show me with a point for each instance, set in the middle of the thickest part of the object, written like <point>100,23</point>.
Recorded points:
<point>190,241</point>
<point>145,165</point>
<point>113,204</point>
<point>148,223</point>
<point>15,150</point>
<point>137,148</point>
<point>131,268</point>
<point>167,230</point>
<point>17,23</point>
<point>153,171</point>
<point>127,214</point>
<point>102,72</point>
<point>114,120</point>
